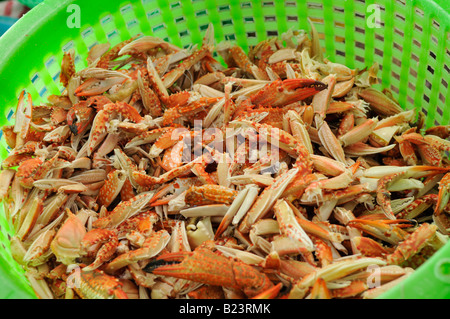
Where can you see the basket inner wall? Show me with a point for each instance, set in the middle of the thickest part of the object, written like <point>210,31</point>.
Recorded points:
<point>410,45</point>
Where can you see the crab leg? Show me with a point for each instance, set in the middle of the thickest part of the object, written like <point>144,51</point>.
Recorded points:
<point>98,285</point>
<point>379,229</point>
<point>207,267</point>
<point>151,247</point>
<point>413,244</point>
<point>444,194</point>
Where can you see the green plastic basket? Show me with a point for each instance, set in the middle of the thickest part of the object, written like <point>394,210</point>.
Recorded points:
<point>410,42</point>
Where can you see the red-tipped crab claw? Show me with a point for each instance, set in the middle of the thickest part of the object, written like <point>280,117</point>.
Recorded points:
<point>279,93</point>
<point>94,86</point>
<point>79,117</point>
<point>205,266</point>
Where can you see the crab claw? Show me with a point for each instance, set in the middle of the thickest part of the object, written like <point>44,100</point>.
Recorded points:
<point>380,229</point>
<point>79,117</point>
<point>94,86</point>
<point>444,194</point>
<point>205,266</point>
<point>279,93</point>
<point>413,244</point>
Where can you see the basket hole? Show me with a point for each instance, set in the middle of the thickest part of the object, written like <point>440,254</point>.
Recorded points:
<point>428,84</point>
<point>272,33</point>
<point>359,30</point>
<point>204,27</point>
<point>399,32</point>
<point>270,18</point>
<point>379,37</point>
<point>418,27</point>
<point>442,98</point>
<point>153,13</point>
<point>360,45</point>
<point>224,8</point>
<point>175,5</point>
<point>395,75</point>
<point>158,27</point>
<point>268,3</point>
<point>360,15</point>
<point>341,53</point>
<point>10,114</point>
<point>394,89</point>
<point>230,37</point>
<point>434,39</point>
<point>290,4</point>
<point>396,61</point>
<point>426,98</point>
<point>436,24</point>
<point>400,17</point>
<point>378,52</point>
<point>292,18</point>
<point>227,22</point>
<point>410,100</point>
<point>183,33</point>
<point>338,9</point>
<point>200,13</point>
<point>419,12</point>
<point>430,69</point>
<point>312,5</point>
<point>398,46</point>
<point>444,83</point>
<point>245,5</point>
<point>359,58</point>
<point>339,24</point>
<point>413,73</point>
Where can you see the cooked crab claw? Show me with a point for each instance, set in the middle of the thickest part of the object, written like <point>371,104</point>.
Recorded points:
<point>380,229</point>
<point>444,194</point>
<point>79,117</point>
<point>279,93</point>
<point>205,266</point>
<point>93,86</point>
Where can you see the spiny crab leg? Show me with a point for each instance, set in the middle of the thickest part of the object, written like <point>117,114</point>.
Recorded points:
<point>96,284</point>
<point>413,244</point>
<point>206,266</point>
